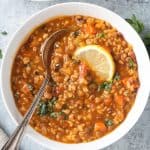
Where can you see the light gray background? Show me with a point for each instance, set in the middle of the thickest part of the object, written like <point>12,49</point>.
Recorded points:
<point>13,13</point>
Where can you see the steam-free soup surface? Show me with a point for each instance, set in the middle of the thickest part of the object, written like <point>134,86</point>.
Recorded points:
<point>76,107</point>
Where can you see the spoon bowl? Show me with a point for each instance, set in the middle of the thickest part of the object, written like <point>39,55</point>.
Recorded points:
<point>47,47</point>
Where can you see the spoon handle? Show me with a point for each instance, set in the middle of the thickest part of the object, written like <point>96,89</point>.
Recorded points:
<point>13,141</point>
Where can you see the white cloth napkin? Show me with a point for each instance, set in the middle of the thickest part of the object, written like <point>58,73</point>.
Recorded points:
<point>3,138</point>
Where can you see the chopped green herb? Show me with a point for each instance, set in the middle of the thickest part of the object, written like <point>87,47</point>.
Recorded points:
<point>54,114</point>
<point>53,100</point>
<point>4,33</point>
<point>16,95</point>
<point>105,86</point>
<point>50,106</point>
<point>42,108</point>
<point>116,76</point>
<point>100,35</point>
<point>146,39</point>
<point>131,64</point>
<point>76,33</point>
<point>108,84</point>
<point>108,122</point>
<point>30,87</point>
<point>139,27</point>
<point>135,23</point>
<point>1,55</point>
<point>57,114</point>
<point>47,107</point>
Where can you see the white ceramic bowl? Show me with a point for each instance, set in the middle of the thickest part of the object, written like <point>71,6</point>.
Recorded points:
<point>130,35</point>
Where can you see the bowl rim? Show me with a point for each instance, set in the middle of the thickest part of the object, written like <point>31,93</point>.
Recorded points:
<point>91,144</point>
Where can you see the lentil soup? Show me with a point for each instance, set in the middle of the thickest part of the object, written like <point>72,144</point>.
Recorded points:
<point>77,106</point>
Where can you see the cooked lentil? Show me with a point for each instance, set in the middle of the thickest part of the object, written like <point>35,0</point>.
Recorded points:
<point>75,107</point>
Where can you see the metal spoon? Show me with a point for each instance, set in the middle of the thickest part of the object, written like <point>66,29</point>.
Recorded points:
<point>46,49</point>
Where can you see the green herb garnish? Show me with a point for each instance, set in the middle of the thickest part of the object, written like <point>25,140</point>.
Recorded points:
<point>50,106</point>
<point>76,33</point>
<point>54,114</point>
<point>57,114</point>
<point>4,33</point>
<point>139,27</point>
<point>146,39</point>
<point>135,23</point>
<point>43,110</point>
<point>108,122</point>
<point>100,35</point>
<point>53,100</point>
<point>108,84</point>
<point>131,64</point>
<point>47,108</point>
<point>105,86</point>
<point>16,95</point>
<point>30,87</point>
<point>116,77</point>
<point>1,55</point>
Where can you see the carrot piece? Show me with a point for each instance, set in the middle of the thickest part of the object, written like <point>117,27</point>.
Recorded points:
<point>119,99</point>
<point>82,71</point>
<point>89,29</point>
<point>125,80</point>
<point>100,126</point>
<point>25,88</point>
<point>59,90</point>
<point>108,101</point>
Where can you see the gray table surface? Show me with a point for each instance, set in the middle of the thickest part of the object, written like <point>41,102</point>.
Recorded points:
<point>13,13</point>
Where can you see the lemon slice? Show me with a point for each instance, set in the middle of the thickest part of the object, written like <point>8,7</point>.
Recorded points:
<point>98,59</point>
